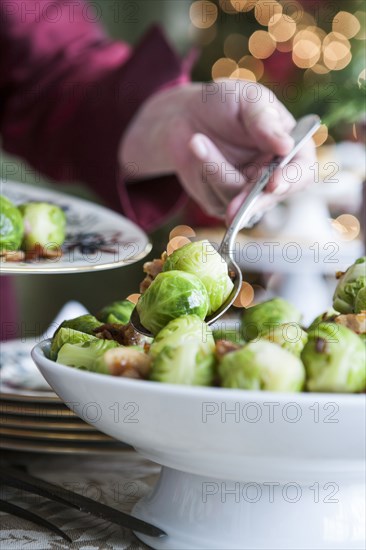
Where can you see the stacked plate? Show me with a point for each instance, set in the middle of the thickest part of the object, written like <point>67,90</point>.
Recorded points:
<point>40,422</point>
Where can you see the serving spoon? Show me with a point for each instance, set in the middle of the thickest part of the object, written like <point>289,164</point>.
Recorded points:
<point>301,133</point>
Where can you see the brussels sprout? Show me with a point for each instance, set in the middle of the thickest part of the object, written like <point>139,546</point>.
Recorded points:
<point>68,336</point>
<point>85,356</point>
<point>334,358</point>
<point>183,353</point>
<point>289,336</point>
<point>263,317</point>
<point>117,312</point>
<point>84,323</point>
<point>201,259</point>
<point>262,365</point>
<point>129,362</point>
<point>348,287</point>
<point>328,316</point>
<point>44,225</point>
<point>11,225</point>
<point>170,295</point>
<point>360,302</point>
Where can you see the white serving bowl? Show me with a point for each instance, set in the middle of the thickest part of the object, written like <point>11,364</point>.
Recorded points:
<point>241,469</point>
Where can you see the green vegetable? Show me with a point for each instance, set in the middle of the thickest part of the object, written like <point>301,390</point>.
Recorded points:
<point>334,358</point>
<point>201,259</point>
<point>360,302</point>
<point>117,312</point>
<point>68,336</point>
<point>127,361</point>
<point>264,317</point>
<point>183,353</point>
<point>289,336</point>
<point>85,323</point>
<point>348,287</point>
<point>86,356</point>
<point>326,317</point>
<point>171,295</point>
<point>11,225</point>
<point>262,365</point>
<point>44,225</point>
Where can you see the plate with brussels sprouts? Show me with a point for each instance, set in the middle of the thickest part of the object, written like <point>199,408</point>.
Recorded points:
<point>44,231</point>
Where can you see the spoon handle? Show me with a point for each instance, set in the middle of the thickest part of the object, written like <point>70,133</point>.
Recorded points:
<point>302,132</point>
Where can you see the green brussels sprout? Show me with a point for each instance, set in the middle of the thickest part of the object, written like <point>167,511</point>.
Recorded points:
<point>11,225</point>
<point>84,323</point>
<point>183,353</point>
<point>360,302</point>
<point>289,336</point>
<point>262,365</point>
<point>44,225</point>
<point>201,259</point>
<point>348,287</point>
<point>85,356</point>
<point>334,358</point>
<point>117,312</point>
<point>171,295</point>
<point>263,317</point>
<point>68,336</point>
<point>126,361</point>
<point>326,317</point>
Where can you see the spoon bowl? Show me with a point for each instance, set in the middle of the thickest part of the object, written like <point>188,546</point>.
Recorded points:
<point>301,133</point>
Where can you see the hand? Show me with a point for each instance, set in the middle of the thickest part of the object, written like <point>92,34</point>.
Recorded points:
<point>217,137</point>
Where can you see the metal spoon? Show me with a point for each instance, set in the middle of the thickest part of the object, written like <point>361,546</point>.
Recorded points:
<point>301,133</point>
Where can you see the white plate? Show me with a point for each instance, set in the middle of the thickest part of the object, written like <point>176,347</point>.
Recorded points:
<point>97,238</point>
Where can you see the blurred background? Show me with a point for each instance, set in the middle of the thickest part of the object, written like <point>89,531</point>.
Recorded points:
<point>312,54</point>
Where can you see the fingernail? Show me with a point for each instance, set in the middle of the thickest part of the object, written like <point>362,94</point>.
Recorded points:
<point>199,147</point>
<point>282,188</point>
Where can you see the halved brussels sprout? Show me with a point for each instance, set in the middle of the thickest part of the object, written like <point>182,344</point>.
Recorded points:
<point>360,302</point>
<point>11,225</point>
<point>183,353</point>
<point>44,225</point>
<point>348,287</point>
<point>262,365</point>
<point>202,260</point>
<point>84,323</point>
<point>117,312</point>
<point>264,317</point>
<point>68,336</point>
<point>171,295</point>
<point>334,358</point>
<point>85,356</point>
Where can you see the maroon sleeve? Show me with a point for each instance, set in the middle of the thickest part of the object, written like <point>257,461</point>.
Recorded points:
<point>67,93</point>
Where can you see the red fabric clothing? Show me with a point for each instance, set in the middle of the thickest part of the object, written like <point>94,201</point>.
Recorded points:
<point>68,92</point>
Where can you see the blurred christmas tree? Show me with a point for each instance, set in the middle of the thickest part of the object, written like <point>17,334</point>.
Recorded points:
<point>311,53</point>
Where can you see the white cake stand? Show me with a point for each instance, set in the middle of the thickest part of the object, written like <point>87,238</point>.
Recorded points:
<point>241,470</point>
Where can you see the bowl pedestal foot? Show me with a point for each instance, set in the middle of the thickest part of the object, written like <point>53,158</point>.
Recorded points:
<point>200,513</point>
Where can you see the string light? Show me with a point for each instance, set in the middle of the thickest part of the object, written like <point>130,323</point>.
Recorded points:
<point>245,296</point>
<point>261,44</point>
<point>281,27</point>
<point>223,68</point>
<point>254,65</point>
<point>264,10</point>
<point>243,5</point>
<point>306,49</point>
<point>320,135</point>
<point>243,74</point>
<point>336,51</point>
<point>203,14</point>
<point>348,226</point>
<point>346,23</point>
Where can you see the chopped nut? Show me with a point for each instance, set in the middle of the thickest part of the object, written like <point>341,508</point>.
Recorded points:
<point>353,321</point>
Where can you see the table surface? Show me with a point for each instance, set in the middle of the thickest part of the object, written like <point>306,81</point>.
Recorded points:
<point>118,481</point>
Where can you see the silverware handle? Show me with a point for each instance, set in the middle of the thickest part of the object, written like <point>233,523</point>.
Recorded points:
<point>302,132</point>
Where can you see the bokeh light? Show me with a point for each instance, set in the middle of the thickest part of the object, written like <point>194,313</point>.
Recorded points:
<point>261,44</point>
<point>306,49</point>
<point>243,74</point>
<point>320,135</point>
<point>182,231</point>
<point>203,14</point>
<point>243,5</point>
<point>264,10</point>
<point>347,226</point>
<point>245,296</point>
<point>346,23</point>
<point>235,45</point>
<point>336,51</point>
<point>253,64</point>
<point>223,68</point>
<point>133,298</point>
<point>281,27</point>
<point>202,37</point>
<point>285,47</point>
<point>361,17</point>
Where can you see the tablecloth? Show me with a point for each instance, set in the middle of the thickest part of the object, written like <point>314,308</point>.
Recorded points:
<point>118,480</point>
